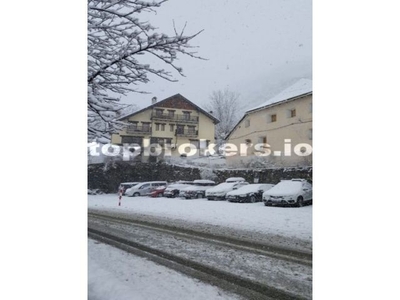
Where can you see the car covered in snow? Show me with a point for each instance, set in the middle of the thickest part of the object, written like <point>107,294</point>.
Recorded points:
<point>197,189</point>
<point>248,193</point>
<point>219,192</point>
<point>123,186</point>
<point>294,192</point>
<point>144,188</point>
<point>173,190</point>
<point>95,192</point>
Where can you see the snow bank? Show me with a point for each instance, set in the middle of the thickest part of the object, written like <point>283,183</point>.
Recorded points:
<point>283,221</point>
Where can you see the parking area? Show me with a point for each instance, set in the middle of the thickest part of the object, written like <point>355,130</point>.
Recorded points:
<point>283,221</point>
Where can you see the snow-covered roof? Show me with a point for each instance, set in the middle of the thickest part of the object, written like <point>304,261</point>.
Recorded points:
<point>301,87</point>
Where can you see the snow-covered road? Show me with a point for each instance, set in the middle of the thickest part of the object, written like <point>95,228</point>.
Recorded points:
<point>117,275</point>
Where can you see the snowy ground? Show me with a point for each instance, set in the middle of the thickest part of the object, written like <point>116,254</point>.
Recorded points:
<point>118,275</point>
<point>282,221</point>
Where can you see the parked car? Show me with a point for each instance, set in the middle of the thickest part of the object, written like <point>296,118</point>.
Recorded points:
<point>295,192</point>
<point>197,190</point>
<point>248,193</point>
<point>219,192</point>
<point>158,192</point>
<point>126,185</point>
<point>144,188</point>
<point>173,190</point>
<point>95,192</point>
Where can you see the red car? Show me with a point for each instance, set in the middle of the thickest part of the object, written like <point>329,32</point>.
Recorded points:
<point>158,192</point>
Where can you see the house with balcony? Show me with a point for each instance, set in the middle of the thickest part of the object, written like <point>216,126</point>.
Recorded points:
<point>276,133</point>
<point>169,123</point>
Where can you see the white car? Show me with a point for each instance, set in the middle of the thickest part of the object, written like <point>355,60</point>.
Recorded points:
<point>126,185</point>
<point>248,193</point>
<point>289,192</point>
<point>219,192</point>
<point>197,190</point>
<point>144,188</point>
<point>173,190</point>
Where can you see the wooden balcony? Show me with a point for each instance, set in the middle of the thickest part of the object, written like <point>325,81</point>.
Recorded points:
<point>175,118</point>
<point>187,133</point>
<point>142,130</point>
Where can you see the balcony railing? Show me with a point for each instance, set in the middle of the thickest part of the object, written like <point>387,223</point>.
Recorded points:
<point>134,129</point>
<point>186,132</point>
<point>175,118</point>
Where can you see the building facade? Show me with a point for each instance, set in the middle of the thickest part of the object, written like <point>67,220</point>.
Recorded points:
<point>276,133</point>
<point>170,123</point>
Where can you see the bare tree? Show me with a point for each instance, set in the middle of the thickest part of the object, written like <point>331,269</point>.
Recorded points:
<point>224,106</point>
<point>116,40</point>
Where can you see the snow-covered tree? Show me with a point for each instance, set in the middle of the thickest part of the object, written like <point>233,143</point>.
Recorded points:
<point>224,106</point>
<point>116,41</point>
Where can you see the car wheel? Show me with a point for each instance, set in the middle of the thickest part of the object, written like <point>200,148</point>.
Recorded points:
<point>300,201</point>
<point>136,194</point>
<point>253,199</point>
<point>267,204</point>
<point>199,196</point>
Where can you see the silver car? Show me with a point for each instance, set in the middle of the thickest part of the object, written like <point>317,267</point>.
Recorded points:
<point>294,192</point>
<point>144,188</point>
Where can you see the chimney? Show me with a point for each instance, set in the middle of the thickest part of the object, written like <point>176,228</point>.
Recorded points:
<point>153,100</point>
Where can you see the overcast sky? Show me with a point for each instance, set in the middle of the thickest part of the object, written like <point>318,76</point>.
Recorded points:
<point>255,48</point>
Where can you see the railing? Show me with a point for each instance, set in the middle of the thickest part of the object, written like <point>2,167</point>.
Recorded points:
<point>138,129</point>
<point>186,132</point>
<point>175,118</point>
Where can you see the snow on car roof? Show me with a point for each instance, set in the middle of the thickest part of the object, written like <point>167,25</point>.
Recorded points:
<point>285,187</point>
<point>222,186</point>
<point>235,179</point>
<point>178,185</point>
<point>252,187</point>
<point>129,182</point>
<point>203,181</point>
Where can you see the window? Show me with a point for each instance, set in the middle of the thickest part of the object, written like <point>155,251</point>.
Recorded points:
<point>191,129</point>
<point>146,126</point>
<point>271,118</point>
<point>133,125</point>
<point>180,129</point>
<point>131,140</point>
<point>247,123</point>
<point>196,143</point>
<point>157,127</point>
<point>162,127</point>
<point>291,113</point>
<point>171,127</point>
<point>262,140</point>
<point>186,115</point>
<point>171,114</point>
<point>159,112</point>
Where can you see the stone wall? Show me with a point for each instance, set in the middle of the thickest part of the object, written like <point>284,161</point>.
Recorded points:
<point>107,177</point>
